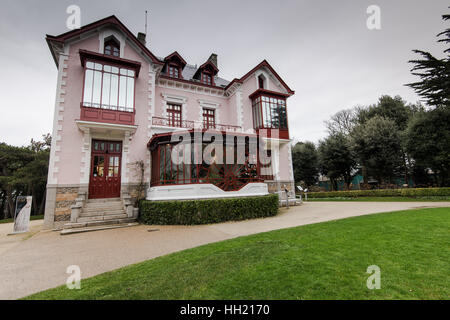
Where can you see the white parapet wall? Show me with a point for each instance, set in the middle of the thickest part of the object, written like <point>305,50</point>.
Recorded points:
<point>203,191</point>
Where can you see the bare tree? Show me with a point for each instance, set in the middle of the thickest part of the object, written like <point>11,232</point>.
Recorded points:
<point>341,122</point>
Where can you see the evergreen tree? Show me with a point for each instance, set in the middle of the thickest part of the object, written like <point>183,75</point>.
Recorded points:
<point>434,73</point>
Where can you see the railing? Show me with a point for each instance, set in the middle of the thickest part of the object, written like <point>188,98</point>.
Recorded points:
<point>188,124</point>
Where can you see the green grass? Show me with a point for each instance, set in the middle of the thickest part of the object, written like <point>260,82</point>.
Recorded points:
<point>319,261</point>
<point>38,217</point>
<point>384,199</point>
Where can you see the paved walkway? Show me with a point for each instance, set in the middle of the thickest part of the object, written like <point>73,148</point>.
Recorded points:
<point>37,261</point>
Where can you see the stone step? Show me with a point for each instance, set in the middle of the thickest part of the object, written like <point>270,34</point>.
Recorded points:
<point>96,223</point>
<point>104,204</point>
<point>102,200</point>
<point>97,228</point>
<point>101,213</point>
<point>102,218</point>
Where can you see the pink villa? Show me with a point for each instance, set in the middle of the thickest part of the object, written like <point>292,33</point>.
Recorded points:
<point>117,107</point>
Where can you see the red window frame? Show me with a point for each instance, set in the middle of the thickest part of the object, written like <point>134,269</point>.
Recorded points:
<point>209,118</point>
<point>263,107</point>
<point>207,78</point>
<point>100,105</point>
<point>173,71</point>
<point>174,115</point>
<point>112,48</point>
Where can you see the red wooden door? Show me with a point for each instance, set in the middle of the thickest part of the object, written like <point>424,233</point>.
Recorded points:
<point>106,161</point>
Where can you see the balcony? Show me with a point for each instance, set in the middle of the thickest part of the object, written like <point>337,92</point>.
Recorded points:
<point>188,124</point>
<point>107,114</point>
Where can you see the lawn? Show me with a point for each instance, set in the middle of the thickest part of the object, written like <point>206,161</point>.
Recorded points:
<point>37,217</point>
<point>319,261</point>
<point>385,199</point>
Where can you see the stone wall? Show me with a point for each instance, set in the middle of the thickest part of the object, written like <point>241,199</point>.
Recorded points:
<point>276,186</point>
<point>65,198</point>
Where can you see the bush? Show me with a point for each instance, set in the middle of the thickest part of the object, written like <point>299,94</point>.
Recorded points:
<point>418,192</point>
<point>191,212</point>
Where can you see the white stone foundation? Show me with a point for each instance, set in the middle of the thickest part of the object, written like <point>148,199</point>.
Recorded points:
<point>203,191</point>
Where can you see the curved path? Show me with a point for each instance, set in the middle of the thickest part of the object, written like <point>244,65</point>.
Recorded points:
<point>38,260</point>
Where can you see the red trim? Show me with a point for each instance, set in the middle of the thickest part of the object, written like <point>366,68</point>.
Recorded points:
<point>264,63</point>
<point>268,93</point>
<point>94,25</point>
<point>105,58</point>
<point>175,54</point>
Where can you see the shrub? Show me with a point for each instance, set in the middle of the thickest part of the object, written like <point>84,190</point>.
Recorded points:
<point>191,212</point>
<point>417,192</point>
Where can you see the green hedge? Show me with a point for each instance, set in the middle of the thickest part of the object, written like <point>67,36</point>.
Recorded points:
<point>418,192</point>
<point>191,212</point>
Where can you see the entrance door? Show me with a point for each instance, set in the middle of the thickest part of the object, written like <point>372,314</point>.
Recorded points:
<point>106,161</point>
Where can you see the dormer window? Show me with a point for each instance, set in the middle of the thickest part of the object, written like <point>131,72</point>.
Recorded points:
<point>174,71</point>
<point>207,78</point>
<point>112,48</point>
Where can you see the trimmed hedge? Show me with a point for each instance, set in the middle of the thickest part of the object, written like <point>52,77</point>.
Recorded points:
<point>190,212</point>
<point>418,192</point>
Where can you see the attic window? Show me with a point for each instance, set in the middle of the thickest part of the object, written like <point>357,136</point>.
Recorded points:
<point>174,71</point>
<point>207,78</point>
<point>112,48</point>
<point>261,82</point>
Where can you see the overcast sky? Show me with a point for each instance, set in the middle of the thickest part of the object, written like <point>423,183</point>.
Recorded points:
<point>322,49</point>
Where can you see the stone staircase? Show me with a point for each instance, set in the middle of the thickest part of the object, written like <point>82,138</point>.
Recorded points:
<point>100,214</point>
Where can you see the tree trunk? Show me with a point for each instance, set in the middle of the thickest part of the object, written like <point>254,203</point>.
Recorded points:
<point>42,205</point>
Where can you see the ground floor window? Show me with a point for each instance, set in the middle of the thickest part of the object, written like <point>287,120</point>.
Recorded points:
<point>243,168</point>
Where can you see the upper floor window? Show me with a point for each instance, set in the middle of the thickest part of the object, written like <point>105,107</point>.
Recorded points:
<point>108,87</point>
<point>209,118</point>
<point>261,82</point>
<point>269,112</point>
<point>207,78</point>
<point>174,71</point>
<point>174,115</point>
<point>112,48</point>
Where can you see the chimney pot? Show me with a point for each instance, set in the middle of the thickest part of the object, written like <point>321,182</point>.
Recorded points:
<point>141,37</point>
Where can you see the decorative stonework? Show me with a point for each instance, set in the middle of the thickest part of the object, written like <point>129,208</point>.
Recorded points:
<point>58,115</point>
<point>190,87</point>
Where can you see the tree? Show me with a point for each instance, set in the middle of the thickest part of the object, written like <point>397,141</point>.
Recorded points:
<point>428,142</point>
<point>337,160</point>
<point>23,171</point>
<point>434,73</point>
<point>305,163</point>
<point>342,122</point>
<point>377,146</point>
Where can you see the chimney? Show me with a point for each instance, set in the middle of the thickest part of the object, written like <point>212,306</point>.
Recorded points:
<point>141,37</point>
<point>213,59</point>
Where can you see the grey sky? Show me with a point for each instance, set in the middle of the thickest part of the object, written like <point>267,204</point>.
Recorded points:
<point>322,49</point>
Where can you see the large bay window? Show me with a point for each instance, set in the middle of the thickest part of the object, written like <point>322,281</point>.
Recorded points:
<point>269,112</point>
<point>108,87</point>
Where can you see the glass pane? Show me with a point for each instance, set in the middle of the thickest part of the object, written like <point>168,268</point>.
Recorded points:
<point>123,71</point>
<point>161,163</point>
<point>90,65</point>
<point>117,147</point>
<point>122,91</point>
<point>114,91</point>
<point>114,70</point>
<point>106,89</point>
<point>107,68</point>
<point>98,66</point>
<point>97,88</point>
<point>130,93</point>
<point>116,171</point>
<point>116,161</point>
<point>99,164</point>
<point>131,73</point>
<point>88,80</point>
